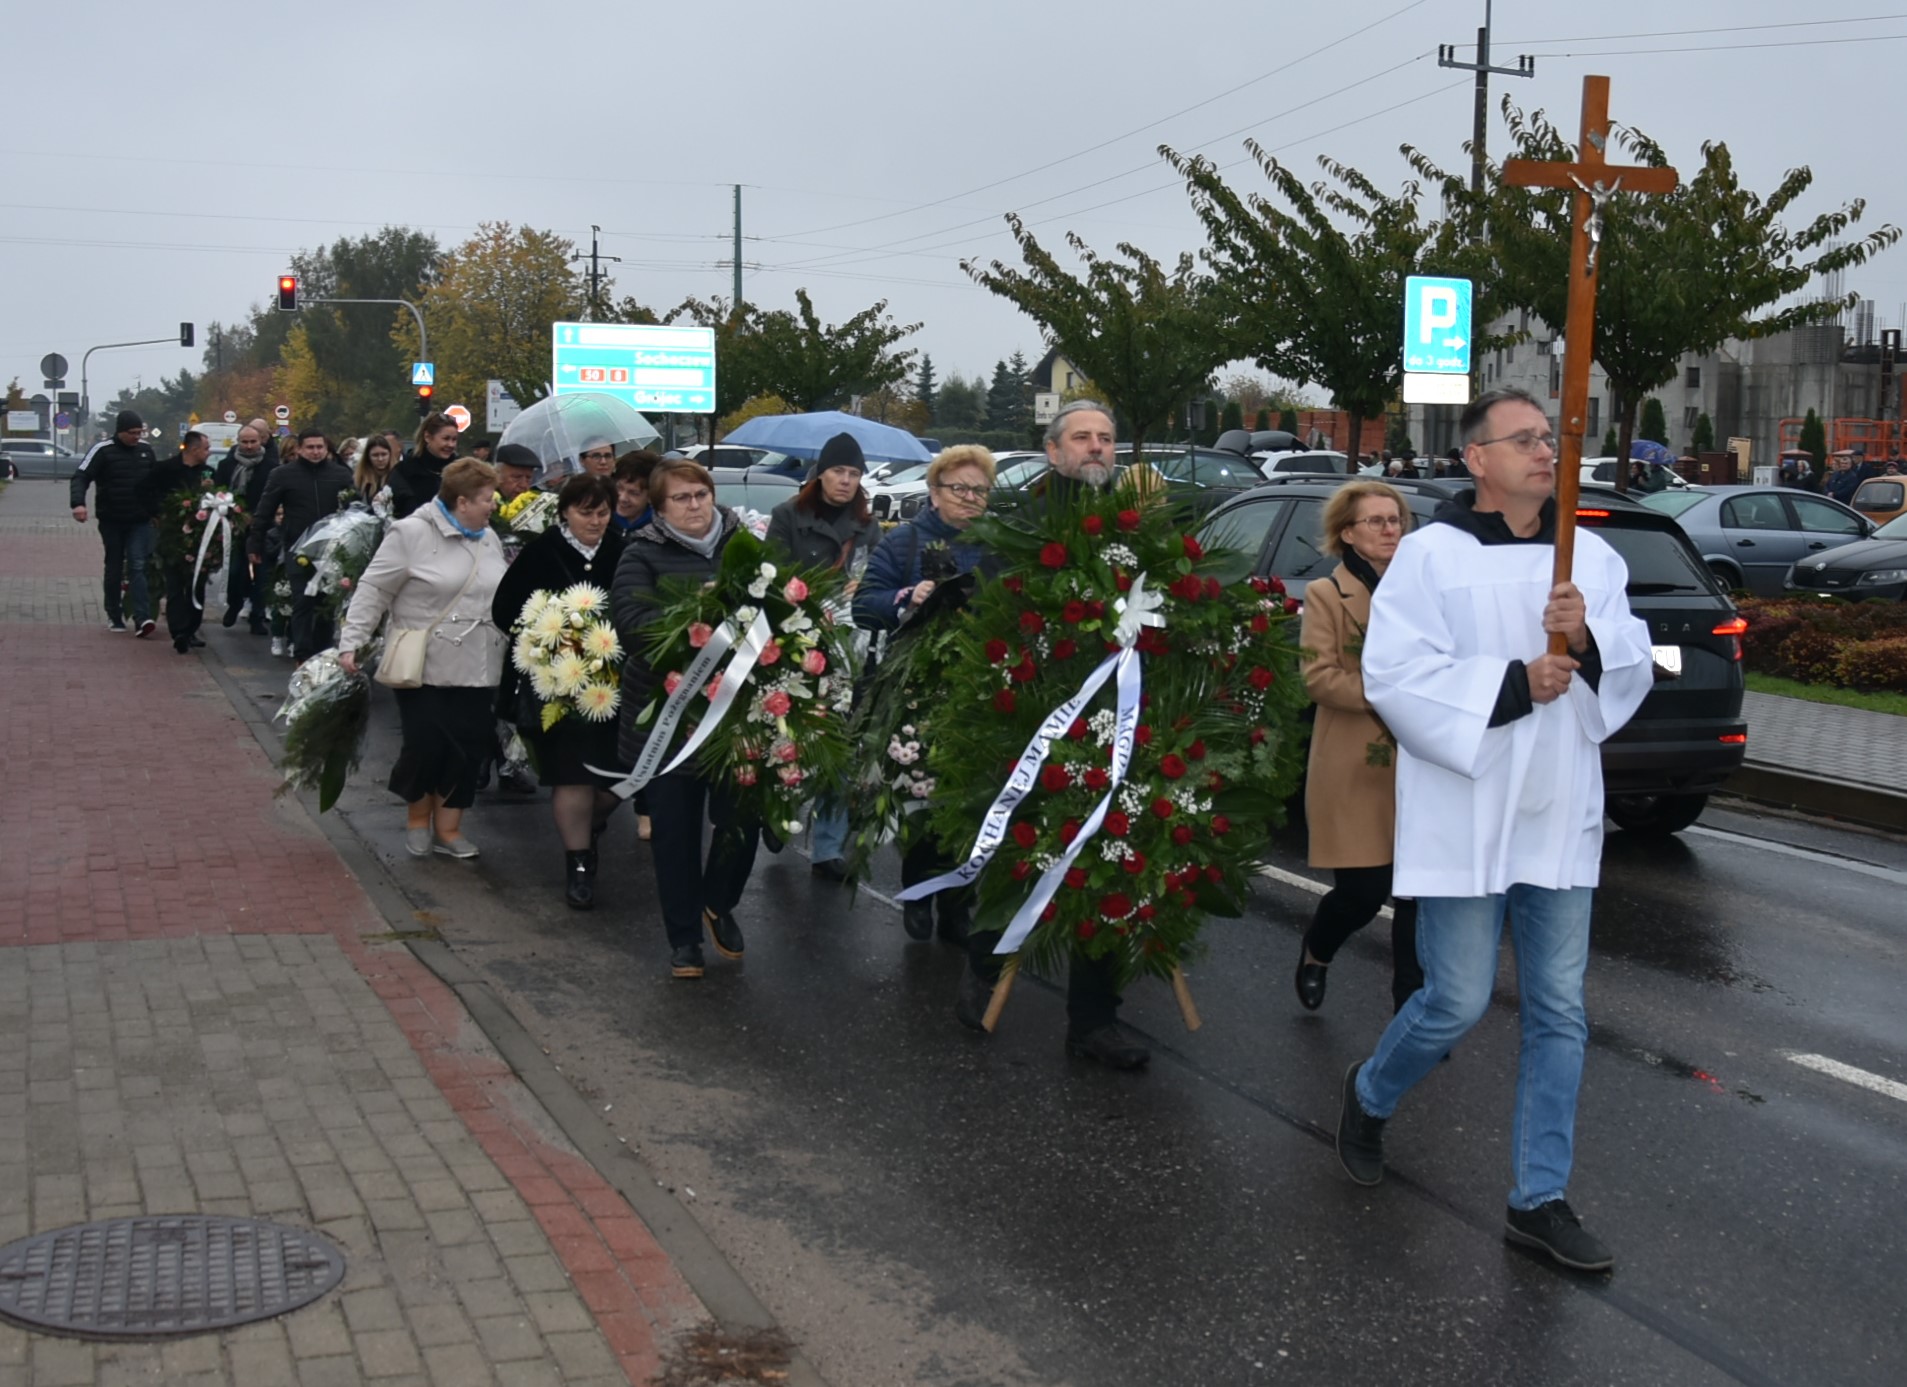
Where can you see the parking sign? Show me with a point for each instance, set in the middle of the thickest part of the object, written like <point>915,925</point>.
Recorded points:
<point>1437,325</point>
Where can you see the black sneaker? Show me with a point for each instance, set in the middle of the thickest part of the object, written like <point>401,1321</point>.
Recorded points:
<point>146,628</point>
<point>724,933</point>
<point>1554,1228</point>
<point>832,869</point>
<point>1110,1047</point>
<point>917,918</point>
<point>686,962</point>
<point>115,624</point>
<point>1360,1136</point>
<point>197,643</point>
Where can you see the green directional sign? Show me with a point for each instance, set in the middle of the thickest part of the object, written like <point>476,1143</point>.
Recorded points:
<point>664,370</point>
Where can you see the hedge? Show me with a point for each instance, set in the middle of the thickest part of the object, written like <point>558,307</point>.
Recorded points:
<point>1850,645</point>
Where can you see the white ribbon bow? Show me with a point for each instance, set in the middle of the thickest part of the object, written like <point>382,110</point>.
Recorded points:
<point>218,507</point>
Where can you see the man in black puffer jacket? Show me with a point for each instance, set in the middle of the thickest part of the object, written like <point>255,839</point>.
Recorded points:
<point>120,470</point>
<point>308,487</point>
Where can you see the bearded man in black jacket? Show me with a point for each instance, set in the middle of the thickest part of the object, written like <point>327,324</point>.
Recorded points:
<point>120,471</point>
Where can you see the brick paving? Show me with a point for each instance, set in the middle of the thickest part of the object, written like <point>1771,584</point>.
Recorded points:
<point>201,1011</point>
<point>1850,744</point>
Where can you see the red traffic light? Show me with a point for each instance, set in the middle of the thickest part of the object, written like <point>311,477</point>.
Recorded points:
<point>424,392</point>
<point>287,293</point>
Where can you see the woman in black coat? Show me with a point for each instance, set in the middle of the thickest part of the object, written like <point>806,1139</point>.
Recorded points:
<point>685,540</point>
<point>580,548</point>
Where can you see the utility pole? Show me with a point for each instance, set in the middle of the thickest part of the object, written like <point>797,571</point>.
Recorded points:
<point>738,248</point>
<point>596,257</point>
<point>1447,57</point>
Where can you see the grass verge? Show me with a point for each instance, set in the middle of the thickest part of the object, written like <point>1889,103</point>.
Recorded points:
<point>1876,702</point>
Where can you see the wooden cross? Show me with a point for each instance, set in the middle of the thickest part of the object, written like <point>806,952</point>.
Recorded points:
<point>1595,181</point>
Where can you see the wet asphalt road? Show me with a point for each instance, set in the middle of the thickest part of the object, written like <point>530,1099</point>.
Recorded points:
<point>921,1205</point>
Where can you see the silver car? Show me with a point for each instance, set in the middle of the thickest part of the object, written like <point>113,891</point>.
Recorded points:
<point>1749,536</point>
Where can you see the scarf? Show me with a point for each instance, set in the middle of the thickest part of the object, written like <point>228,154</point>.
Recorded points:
<point>705,546</point>
<point>1361,569</point>
<point>457,524</point>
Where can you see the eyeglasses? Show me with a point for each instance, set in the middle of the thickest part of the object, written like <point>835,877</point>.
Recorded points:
<point>965,490</point>
<point>1381,522</point>
<point>1524,441</point>
<point>691,498</point>
<point>599,455</point>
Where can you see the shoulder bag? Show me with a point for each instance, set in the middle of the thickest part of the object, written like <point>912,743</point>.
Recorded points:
<point>401,666</point>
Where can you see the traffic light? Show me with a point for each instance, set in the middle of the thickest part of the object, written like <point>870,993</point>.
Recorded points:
<point>424,392</point>
<point>287,293</point>
<point>185,334</point>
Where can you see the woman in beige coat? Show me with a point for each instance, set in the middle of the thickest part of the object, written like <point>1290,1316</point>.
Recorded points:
<point>1350,797</point>
<point>438,570</point>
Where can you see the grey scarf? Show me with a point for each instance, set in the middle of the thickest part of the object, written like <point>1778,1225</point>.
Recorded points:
<point>705,546</point>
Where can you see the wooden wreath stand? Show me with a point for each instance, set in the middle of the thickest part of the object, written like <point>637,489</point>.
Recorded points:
<point>1004,988</point>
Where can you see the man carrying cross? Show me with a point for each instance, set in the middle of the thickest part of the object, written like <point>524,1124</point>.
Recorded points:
<point>1499,794</point>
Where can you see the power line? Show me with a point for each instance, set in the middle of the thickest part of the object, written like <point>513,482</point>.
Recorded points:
<point>1136,130</point>
<point>1729,29</point>
<point>1718,47</point>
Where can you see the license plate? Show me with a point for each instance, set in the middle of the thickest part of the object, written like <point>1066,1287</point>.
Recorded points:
<point>1668,659</point>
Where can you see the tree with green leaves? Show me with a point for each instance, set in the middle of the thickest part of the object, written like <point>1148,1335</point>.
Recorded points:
<point>960,403</point>
<point>1703,439</point>
<point>1609,443</point>
<point>1814,440</point>
<point>1288,420</point>
<point>1262,421</point>
<point>1145,335</point>
<point>1654,425</point>
<point>925,385</point>
<point>1314,274</point>
<point>1681,273</point>
<point>1397,434</point>
<point>1231,417</point>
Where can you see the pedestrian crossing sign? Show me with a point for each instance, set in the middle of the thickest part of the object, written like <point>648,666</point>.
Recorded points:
<point>423,373</point>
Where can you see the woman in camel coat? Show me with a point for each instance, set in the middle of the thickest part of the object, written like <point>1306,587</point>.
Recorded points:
<point>1350,797</point>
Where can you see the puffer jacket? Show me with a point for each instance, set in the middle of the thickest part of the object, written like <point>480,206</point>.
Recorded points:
<point>895,568</point>
<point>119,476</point>
<point>307,490</point>
<point>635,600</point>
<point>816,541</point>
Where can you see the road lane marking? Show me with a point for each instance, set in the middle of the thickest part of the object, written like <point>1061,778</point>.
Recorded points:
<point>1848,864</point>
<point>1305,883</point>
<point>1847,1073</point>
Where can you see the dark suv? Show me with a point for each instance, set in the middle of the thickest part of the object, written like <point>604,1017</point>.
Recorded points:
<point>1687,738</point>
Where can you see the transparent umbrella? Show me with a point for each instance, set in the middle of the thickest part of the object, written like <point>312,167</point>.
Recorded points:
<point>561,428</point>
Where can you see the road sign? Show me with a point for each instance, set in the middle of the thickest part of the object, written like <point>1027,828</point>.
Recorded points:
<point>22,421</point>
<point>52,365</point>
<point>284,430</point>
<point>423,373</point>
<point>231,416</point>
<point>1045,406</point>
<point>1437,325</point>
<point>62,421</point>
<point>669,370</point>
<point>499,407</point>
<point>459,416</point>
<point>282,412</point>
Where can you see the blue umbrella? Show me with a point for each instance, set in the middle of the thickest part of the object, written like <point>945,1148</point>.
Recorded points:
<point>1645,450</point>
<point>801,435</point>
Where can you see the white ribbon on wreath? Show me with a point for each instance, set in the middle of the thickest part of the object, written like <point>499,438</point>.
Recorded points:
<point>218,508</point>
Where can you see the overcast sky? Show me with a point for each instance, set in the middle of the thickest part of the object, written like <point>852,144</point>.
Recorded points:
<point>164,160</point>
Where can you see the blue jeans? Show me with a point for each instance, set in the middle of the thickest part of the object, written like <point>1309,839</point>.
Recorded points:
<point>1457,940</point>
<point>128,550</point>
<point>830,836</point>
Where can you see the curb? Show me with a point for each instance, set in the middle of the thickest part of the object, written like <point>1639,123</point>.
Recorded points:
<point>1871,806</point>
<point>709,1273</point>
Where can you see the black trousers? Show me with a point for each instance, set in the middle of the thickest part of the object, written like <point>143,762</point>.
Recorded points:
<point>183,619</point>
<point>1351,904</point>
<point>311,629</point>
<point>686,881</point>
<point>128,548</point>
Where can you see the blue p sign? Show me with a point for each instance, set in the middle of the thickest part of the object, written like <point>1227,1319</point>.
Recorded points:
<point>1437,325</point>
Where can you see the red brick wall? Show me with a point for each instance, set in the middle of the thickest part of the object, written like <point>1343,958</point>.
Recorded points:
<point>1335,424</point>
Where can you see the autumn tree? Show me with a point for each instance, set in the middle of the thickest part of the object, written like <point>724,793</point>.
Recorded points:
<point>1147,336</point>
<point>490,309</point>
<point>1681,273</point>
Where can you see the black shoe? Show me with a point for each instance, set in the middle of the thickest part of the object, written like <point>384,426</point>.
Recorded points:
<point>515,782</point>
<point>834,869</point>
<point>230,619</point>
<point>579,879</point>
<point>1310,980</point>
<point>115,624</point>
<point>970,1004</point>
<point>1108,1045</point>
<point>917,918</point>
<point>1360,1136</point>
<point>955,921</point>
<point>724,933</point>
<point>686,961</point>
<point>772,840</point>
<point>1554,1228</point>
<point>184,647</point>
<point>146,628</point>
<point>197,642</point>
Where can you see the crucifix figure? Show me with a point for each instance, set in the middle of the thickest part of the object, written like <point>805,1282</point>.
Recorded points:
<point>1595,181</point>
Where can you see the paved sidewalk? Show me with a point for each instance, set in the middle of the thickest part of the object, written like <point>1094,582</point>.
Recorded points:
<point>202,1011</point>
<point>1848,744</point>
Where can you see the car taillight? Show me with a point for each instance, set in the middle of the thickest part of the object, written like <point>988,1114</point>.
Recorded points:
<point>1732,632</point>
<point>1734,738</point>
<point>1592,514</point>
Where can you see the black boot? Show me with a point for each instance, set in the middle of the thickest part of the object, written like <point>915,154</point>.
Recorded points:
<point>579,879</point>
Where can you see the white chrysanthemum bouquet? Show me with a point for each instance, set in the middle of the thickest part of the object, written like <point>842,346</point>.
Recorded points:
<point>568,650</point>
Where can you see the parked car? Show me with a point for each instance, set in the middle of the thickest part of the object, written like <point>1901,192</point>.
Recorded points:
<point>748,489</point>
<point>1602,472</point>
<point>1749,536</point>
<point>1319,461</point>
<point>37,457</point>
<point>1686,739</point>
<point>1881,499</point>
<point>898,490</point>
<point>1875,567</point>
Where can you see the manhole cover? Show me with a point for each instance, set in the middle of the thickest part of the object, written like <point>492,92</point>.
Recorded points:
<point>144,1278</point>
